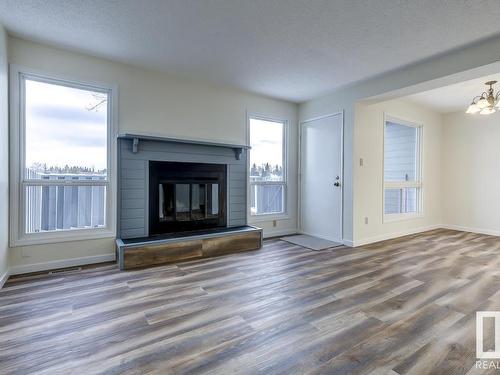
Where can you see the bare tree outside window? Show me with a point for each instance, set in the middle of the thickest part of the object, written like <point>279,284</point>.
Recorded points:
<point>100,100</point>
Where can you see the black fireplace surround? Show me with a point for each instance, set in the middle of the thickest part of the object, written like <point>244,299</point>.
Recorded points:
<point>186,196</point>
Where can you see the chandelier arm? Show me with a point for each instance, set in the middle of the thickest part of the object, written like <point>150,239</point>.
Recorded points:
<point>477,96</point>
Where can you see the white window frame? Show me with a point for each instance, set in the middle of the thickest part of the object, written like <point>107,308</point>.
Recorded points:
<point>255,218</point>
<point>404,184</point>
<point>18,182</point>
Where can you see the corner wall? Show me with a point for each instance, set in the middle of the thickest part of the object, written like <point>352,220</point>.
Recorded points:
<point>471,172</point>
<point>151,102</point>
<point>4,160</point>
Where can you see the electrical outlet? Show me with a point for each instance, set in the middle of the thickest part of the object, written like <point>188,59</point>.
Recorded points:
<point>366,220</point>
<point>274,223</point>
<point>361,162</point>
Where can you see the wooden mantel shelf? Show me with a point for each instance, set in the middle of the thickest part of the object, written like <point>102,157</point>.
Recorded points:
<point>238,149</point>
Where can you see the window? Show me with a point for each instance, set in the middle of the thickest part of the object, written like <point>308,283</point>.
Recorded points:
<point>402,168</point>
<point>267,166</point>
<point>63,131</point>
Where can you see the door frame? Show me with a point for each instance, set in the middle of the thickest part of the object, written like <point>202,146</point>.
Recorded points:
<point>299,208</point>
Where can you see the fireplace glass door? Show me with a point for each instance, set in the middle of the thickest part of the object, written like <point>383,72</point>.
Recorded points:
<point>188,201</point>
<point>186,196</point>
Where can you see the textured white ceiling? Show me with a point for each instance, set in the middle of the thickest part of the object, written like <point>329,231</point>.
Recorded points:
<point>290,49</point>
<point>456,97</point>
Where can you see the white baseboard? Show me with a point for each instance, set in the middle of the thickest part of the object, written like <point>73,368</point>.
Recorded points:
<point>279,233</point>
<point>390,236</point>
<point>63,263</point>
<point>4,277</point>
<point>348,243</point>
<point>488,232</point>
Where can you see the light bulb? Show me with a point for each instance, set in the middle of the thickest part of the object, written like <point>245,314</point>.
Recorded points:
<point>483,103</point>
<point>487,111</point>
<point>473,108</point>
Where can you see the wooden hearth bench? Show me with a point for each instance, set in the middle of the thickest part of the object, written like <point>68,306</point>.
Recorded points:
<point>151,251</point>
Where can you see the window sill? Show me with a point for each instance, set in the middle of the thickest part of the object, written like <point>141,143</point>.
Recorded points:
<point>390,218</point>
<point>62,236</point>
<point>267,218</point>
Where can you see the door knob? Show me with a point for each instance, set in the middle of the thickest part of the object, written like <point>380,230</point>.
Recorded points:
<point>337,181</point>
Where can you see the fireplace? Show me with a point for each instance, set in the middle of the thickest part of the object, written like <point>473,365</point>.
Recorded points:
<point>181,200</point>
<point>186,196</point>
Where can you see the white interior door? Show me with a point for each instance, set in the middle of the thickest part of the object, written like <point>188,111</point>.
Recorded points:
<point>321,177</point>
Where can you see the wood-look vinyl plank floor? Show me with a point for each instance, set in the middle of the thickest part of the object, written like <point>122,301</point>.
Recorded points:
<point>403,306</point>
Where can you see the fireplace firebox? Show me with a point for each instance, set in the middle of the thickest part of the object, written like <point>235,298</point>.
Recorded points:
<point>186,196</point>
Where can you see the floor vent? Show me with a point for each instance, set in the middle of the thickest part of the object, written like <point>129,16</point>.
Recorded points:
<point>65,270</point>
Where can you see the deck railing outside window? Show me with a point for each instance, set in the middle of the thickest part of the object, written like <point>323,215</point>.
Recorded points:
<point>60,207</point>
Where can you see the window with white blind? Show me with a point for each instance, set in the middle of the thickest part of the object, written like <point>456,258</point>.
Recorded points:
<point>61,132</point>
<point>402,168</point>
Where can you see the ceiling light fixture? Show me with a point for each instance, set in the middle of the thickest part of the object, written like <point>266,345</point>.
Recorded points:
<point>486,102</point>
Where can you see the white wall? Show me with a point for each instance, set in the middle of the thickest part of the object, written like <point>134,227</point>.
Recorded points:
<point>368,179</point>
<point>471,172</point>
<point>156,103</point>
<point>4,159</point>
<point>474,61</point>
<point>461,155</point>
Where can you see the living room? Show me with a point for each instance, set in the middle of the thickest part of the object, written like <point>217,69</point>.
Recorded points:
<point>231,187</point>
